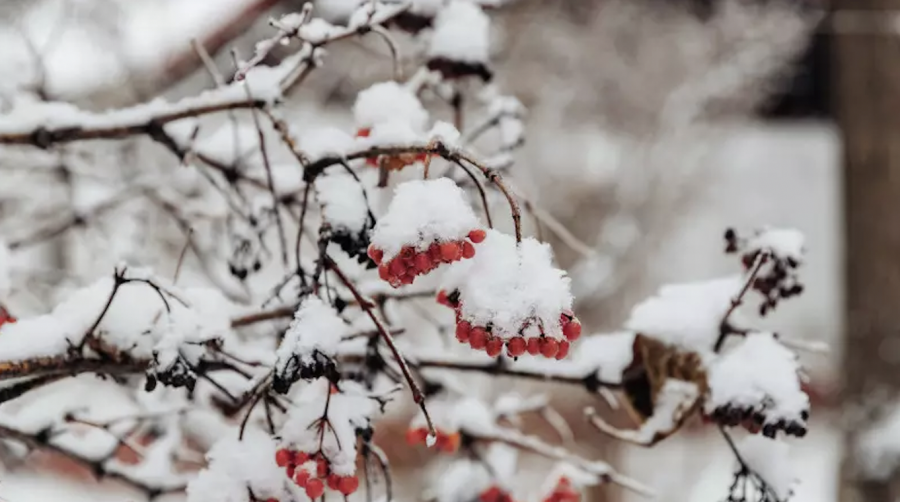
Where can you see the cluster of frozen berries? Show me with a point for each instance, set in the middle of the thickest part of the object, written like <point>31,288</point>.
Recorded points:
<point>312,472</point>
<point>392,162</point>
<point>447,442</point>
<point>563,492</point>
<point>495,494</point>
<point>411,262</point>
<point>481,337</point>
<point>754,421</point>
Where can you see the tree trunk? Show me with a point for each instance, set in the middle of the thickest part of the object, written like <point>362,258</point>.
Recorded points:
<point>866,86</point>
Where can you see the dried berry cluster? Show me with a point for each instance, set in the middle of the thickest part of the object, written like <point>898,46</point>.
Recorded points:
<point>777,277</point>
<point>563,492</point>
<point>312,472</point>
<point>482,337</point>
<point>447,442</point>
<point>755,421</point>
<point>391,162</point>
<point>410,262</point>
<point>495,494</point>
<point>306,368</point>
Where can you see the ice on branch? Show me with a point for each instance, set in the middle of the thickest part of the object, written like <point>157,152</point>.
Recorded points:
<point>324,422</point>
<point>460,44</point>
<point>309,344</point>
<point>236,466</point>
<point>326,142</point>
<point>424,212</point>
<point>770,461</point>
<point>686,315</point>
<point>513,288</point>
<point>137,322</point>
<point>389,103</point>
<point>760,379</point>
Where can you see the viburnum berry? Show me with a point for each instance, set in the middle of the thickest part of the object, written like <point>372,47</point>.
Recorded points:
<point>313,472</point>
<point>412,261</point>
<point>315,488</point>
<point>348,484</point>
<point>447,442</point>
<point>283,457</point>
<point>563,492</point>
<point>571,326</point>
<point>416,436</point>
<point>495,494</point>
<point>516,346</point>
<point>392,162</point>
<point>6,317</point>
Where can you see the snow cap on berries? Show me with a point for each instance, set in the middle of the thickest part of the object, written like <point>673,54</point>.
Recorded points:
<point>461,33</point>
<point>312,336</point>
<point>388,102</point>
<point>423,212</point>
<point>343,201</point>
<point>509,286</point>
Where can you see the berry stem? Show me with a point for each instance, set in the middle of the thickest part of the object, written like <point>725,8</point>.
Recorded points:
<point>385,335</point>
<point>725,327</point>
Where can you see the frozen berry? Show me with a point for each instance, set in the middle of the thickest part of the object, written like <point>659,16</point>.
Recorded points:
<point>416,436</point>
<point>384,272</point>
<point>563,349</point>
<point>283,457</point>
<point>478,338</point>
<point>462,331</point>
<point>348,484</point>
<point>332,481</point>
<point>494,346</point>
<point>477,236</point>
<point>302,478</point>
<point>396,267</point>
<point>533,346</point>
<point>549,347</point>
<point>468,250</point>
<point>423,263</point>
<point>449,251</point>
<point>321,467</point>
<point>375,254</point>
<point>515,347</point>
<point>315,488</point>
<point>572,330</point>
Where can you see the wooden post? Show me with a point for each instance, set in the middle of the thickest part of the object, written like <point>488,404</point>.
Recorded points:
<point>866,99</point>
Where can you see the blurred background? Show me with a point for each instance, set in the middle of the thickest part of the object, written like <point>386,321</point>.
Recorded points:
<point>653,125</point>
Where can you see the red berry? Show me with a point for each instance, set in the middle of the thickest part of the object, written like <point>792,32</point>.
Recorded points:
<point>375,254</point>
<point>300,457</point>
<point>283,457</point>
<point>462,331</point>
<point>397,267</point>
<point>348,484</point>
<point>406,279</point>
<point>492,494</point>
<point>315,488</point>
<point>332,481</point>
<point>533,346</point>
<point>384,272</point>
<point>572,330</point>
<point>442,298</point>
<point>477,236</point>
<point>478,338</point>
<point>448,443</point>
<point>423,263</point>
<point>321,467</point>
<point>563,350</point>
<point>549,347</point>
<point>468,250</point>
<point>434,251</point>
<point>290,470</point>
<point>494,346</point>
<point>363,132</point>
<point>515,347</point>
<point>302,478</point>
<point>449,251</point>
<point>271,499</point>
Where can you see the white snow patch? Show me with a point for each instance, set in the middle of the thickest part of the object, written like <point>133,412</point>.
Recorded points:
<point>770,459</point>
<point>316,327</point>
<point>461,33</point>
<point>389,102</point>
<point>343,201</point>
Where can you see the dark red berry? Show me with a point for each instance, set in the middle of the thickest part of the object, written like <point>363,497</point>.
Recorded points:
<point>315,488</point>
<point>549,347</point>
<point>462,331</point>
<point>478,338</point>
<point>494,346</point>
<point>515,347</point>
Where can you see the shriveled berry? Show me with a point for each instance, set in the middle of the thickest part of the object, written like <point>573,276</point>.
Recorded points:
<point>283,457</point>
<point>515,346</point>
<point>549,347</point>
<point>315,488</point>
<point>572,330</point>
<point>468,250</point>
<point>478,338</point>
<point>563,350</point>
<point>348,484</point>
<point>477,236</point>
<point>494,346</point>
<point>533,346</point>
<point>462,331</point>
<point>449,251</point>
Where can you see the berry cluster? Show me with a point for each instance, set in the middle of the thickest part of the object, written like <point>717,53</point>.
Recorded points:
<point>392,162</point>
<point>312,472</point>
<point>447,442</point>
<point>755,421</point>
<point>563,492</point>
<point>410,262</point>
<point>482,338</point>
<point>777,277</point>
<point>495,494</point>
